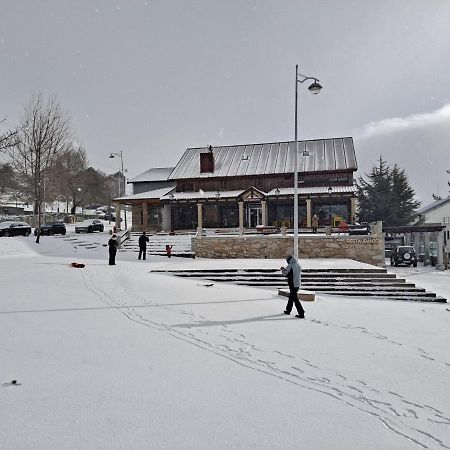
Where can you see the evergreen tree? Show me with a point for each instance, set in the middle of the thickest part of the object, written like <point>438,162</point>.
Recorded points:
<point>386,196</point>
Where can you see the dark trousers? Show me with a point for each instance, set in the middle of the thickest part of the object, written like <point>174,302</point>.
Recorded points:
<point>293,300</point>
<point>142,252</point>
<point>112,256</point>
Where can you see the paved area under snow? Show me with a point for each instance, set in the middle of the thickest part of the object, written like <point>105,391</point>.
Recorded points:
<point>117,357</point>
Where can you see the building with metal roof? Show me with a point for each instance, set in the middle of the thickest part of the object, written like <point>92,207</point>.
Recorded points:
<point>249,186</point>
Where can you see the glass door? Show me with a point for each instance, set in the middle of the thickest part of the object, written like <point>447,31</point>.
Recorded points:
<point>254,215</point>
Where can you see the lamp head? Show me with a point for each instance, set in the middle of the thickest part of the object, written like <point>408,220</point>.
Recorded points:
<point>315,88</point>
<point>111,156</point>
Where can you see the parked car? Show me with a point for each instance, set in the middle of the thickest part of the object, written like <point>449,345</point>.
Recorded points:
<point>404,254</point>
<point>11,228</point>
<point>89,226</point>
<point>52,228</point>
<point>358,229</point>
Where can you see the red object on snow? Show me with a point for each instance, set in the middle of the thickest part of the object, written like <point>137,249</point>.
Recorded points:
<point>77,265</point>
<point>169,250</point>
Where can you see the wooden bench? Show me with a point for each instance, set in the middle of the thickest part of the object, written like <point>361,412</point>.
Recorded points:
<point>302,294</point>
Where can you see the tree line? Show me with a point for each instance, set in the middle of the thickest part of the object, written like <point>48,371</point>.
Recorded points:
<point>44,162</point>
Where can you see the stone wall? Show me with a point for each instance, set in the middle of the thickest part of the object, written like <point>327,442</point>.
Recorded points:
<point>367,249</point>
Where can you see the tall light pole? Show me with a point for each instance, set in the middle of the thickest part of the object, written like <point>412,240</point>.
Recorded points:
<point>120,155</point>
<point>314,88</point>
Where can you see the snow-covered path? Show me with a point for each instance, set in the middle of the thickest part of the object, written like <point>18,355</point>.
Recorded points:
<point>117,357</point>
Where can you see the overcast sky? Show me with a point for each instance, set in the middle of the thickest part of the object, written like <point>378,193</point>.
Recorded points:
<point>152,78</point>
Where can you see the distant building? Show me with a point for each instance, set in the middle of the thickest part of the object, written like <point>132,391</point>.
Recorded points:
<point>248,186</point>
<point>437,212</point>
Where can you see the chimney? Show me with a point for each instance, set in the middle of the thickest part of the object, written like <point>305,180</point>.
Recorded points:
<point>207,161</point>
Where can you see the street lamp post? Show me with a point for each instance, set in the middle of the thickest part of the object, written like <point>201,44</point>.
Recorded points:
<point>120,155</point>
<point>330,190</point>
<point>314,88</point>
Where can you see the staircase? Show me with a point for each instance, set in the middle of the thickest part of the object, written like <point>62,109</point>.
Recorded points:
<point>181,244</point>
<point>373,282</point>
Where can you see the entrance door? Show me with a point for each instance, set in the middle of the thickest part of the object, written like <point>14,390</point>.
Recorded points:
<point>254,215</point>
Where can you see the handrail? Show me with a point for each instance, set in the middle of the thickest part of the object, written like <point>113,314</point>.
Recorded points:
<point>123,237</point>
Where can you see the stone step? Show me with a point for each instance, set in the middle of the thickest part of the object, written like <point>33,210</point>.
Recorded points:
<point>373,283</point>
<point>382,278</point>
<point>323,288</point>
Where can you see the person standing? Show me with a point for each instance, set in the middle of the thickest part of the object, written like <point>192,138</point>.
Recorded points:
<point>112,244</point>
<point>293,273</point>
<point>143,239</point>
<point>314,223</point>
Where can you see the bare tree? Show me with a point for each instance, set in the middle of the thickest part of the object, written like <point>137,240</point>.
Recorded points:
<point>43,133</point>
<point>68,176</point>
<point>8,138</point>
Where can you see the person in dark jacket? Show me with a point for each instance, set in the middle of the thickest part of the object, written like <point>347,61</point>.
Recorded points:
<point>112,244</point>
<point>143,239</point>
<point>293,274</point>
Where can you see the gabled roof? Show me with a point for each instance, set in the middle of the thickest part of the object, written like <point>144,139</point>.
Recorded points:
<point>435,205</point>
<point>271,158</point>
<point>155,174</point>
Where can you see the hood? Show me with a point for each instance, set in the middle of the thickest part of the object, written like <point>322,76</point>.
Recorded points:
<point>289,258</point>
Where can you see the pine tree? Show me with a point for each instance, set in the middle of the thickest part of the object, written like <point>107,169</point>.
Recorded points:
<point>386,196</point>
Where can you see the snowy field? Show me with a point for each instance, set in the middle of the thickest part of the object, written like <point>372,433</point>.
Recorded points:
<point>115,357</point>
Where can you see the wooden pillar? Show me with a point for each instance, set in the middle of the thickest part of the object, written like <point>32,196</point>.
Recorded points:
<point>352,209</point>
<point>308,212</point>
<point>264,212</point>
<point>144,216</point>
<point>117,209</point>
<point>440,251</point>
<point>199,219</point>
<point>241,218</point>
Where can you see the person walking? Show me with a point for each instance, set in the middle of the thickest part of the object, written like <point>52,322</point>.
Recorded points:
<point>293,274</point>
<point>112,244</point>
<point>314,223</point>
<point>143,239</point>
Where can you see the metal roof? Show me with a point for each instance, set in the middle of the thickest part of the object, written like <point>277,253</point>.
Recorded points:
<point>314,190</point>
<point>272,158</point>
<point>155,174</point>
<point>434,205</point>
<point>202,195</point>
<point>154,194</point>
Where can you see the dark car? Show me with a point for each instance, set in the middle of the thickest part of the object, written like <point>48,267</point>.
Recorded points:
<point>404,254</point>
<point>358,229</point>
<point>11,228</point>
<point>52,228</point>
<point>89,226</point>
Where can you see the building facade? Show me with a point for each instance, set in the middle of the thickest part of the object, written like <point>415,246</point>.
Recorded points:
<point>249,186</point>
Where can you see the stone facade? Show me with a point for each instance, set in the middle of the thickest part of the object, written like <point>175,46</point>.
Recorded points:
<point>367,249</point>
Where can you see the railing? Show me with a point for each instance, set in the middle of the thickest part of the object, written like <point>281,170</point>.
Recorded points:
<point>122,237</point>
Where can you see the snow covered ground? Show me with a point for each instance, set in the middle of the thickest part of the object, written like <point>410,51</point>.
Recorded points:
<point>116,357</point>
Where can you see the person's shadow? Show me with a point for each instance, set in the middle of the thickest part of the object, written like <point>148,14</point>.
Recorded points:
<point>215,323</point>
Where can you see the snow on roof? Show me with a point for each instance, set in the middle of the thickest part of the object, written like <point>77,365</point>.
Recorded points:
<point>314,190</point>
<point>153,194</point>
<point>202,195</point>
<point>434,205</point>
<point>270,158</point>
<point>155,174</point>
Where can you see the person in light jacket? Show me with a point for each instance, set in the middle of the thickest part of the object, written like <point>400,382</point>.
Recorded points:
<point>314,223</point>
<point>293,274</point>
